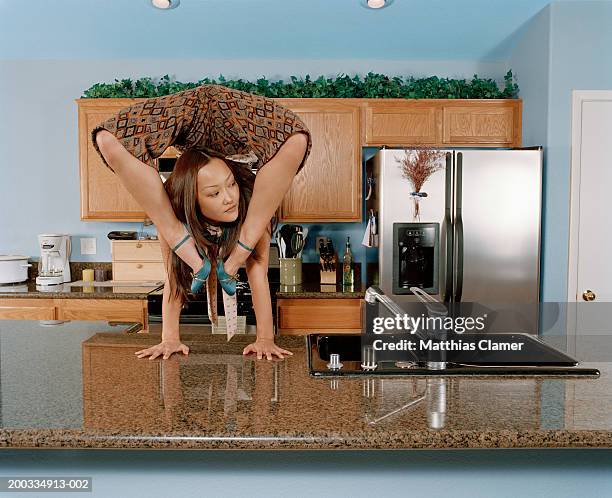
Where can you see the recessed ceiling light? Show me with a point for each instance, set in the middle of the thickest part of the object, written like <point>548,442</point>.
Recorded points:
<point>165,4</point>
<point>376,4</point>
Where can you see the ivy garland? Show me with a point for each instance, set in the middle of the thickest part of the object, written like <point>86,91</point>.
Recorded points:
<point>373,85</point>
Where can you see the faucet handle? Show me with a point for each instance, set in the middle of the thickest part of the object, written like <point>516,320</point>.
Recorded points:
<point>334,362</point>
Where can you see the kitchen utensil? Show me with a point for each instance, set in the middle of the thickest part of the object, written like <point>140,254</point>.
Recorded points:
<point>279,243</point>
<point>297,243</point>
<point>287,231</point>
<point>13,268</point>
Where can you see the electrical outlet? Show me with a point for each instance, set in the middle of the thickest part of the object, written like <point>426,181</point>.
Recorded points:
<point>88,245</point>
<point>319,243</point>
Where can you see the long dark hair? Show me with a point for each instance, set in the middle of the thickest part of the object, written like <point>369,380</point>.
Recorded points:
<point>181,187</point>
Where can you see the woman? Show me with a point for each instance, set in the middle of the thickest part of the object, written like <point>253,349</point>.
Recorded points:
<point>211,196</point>
<point>224,123</point>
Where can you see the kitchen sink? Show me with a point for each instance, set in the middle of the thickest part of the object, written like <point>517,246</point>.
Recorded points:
<point>536,358</point>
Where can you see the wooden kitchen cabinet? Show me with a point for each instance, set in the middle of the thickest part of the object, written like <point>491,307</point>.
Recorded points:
<point>27,309</point>
<point>401,122</point>
<point>307,316</point>
<point>137,260</point>
<point>103,198</point>
<point>494,123</point>
<point>328,189</point>
<point>113,310</point>
<point>442,122</point>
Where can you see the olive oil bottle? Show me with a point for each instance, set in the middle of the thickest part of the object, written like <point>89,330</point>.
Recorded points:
<point>347,264</point>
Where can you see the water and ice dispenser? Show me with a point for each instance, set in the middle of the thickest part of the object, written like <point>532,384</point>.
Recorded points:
<point>415,257</point>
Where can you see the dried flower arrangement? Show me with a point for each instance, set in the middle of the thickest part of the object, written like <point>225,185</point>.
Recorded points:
<point>417,166</point>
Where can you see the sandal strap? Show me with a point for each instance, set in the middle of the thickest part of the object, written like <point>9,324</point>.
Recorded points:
<point>230,277</point>
<point>181,242</point>
<point>245,246</point>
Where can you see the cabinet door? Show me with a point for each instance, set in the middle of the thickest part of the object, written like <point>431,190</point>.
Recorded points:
<point>401,123</point>
<point>306,316</point>
<point>27,309</point>
<point>328,188</point>
<point>495,123</point>
<point>103,197</point>
<point>119,310</point>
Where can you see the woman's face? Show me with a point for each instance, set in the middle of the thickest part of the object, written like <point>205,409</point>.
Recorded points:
<point>218,192</point>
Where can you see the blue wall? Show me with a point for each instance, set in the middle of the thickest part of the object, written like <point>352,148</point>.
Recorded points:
<point>580,59</point>
<point>565,47</point>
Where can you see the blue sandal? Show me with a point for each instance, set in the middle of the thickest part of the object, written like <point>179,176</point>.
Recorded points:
<point>200,277</point>
<point>228,282</point>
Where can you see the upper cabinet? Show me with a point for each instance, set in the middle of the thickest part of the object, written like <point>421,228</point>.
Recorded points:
<point>400,122</point>
<point>442,123</point>
<point>483,123</point>
<point>328,188</point>
<point>103,198</point>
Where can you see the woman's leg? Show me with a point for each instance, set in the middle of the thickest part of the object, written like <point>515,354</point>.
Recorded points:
<point>271,184</point>
<point>145,185</point>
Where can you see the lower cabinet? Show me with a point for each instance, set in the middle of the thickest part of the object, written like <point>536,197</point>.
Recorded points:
<point>28,309</point>
<point>113,310</point>
<point>308,316</point>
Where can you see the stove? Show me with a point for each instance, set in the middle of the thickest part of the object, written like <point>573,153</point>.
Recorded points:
<point>195,309</point>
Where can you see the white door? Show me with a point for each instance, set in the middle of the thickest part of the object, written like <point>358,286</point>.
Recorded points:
<point>590,256</point>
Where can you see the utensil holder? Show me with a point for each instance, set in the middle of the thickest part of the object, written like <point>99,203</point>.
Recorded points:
<point>290,271</point>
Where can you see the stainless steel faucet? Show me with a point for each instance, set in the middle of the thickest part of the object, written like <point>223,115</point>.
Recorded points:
<point>374,295</point>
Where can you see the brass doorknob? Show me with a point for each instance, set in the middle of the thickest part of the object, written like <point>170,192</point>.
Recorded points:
<point>588,295</point>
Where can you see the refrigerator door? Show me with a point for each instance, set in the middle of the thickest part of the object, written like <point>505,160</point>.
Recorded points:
<point>497,226</point>
<point>395,205</point>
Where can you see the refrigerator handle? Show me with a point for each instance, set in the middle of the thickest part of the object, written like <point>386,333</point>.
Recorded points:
<point>448,223</point>
<point>459,228</point>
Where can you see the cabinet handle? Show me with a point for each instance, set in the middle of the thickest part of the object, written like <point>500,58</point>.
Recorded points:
<point>139,265</point>
<point>138,245</point>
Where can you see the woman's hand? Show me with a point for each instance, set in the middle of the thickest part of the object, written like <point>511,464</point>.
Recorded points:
<point>267,347</point>
<point>165,348</point>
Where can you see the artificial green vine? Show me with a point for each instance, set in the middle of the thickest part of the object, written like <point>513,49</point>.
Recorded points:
<point>373,85</point>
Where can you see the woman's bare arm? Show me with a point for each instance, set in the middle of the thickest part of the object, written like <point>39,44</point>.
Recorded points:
<point>257,272</point>
<point>171,312</point>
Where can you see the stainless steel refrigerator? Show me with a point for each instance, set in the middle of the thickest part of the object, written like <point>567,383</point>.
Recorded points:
<point>477,237</point>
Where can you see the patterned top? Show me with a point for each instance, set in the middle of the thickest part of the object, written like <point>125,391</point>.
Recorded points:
<point>220,121</point>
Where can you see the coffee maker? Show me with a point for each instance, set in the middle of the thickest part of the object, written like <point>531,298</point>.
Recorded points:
<point>54,264</point>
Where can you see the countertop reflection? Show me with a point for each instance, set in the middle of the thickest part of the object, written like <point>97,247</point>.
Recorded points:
<point>82,386</point>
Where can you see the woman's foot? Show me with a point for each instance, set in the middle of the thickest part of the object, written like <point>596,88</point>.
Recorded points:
<point>227,281</point>
<point>228,275</point>
<point>201,275</point>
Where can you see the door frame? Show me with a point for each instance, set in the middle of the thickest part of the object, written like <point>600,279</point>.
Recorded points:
<point>579,97</point>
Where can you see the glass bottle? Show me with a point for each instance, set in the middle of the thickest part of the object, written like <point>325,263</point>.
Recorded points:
<point>347,264</point>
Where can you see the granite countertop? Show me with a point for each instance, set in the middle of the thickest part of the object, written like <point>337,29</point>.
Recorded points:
<point>29,289</point>
<point>102,396</point>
